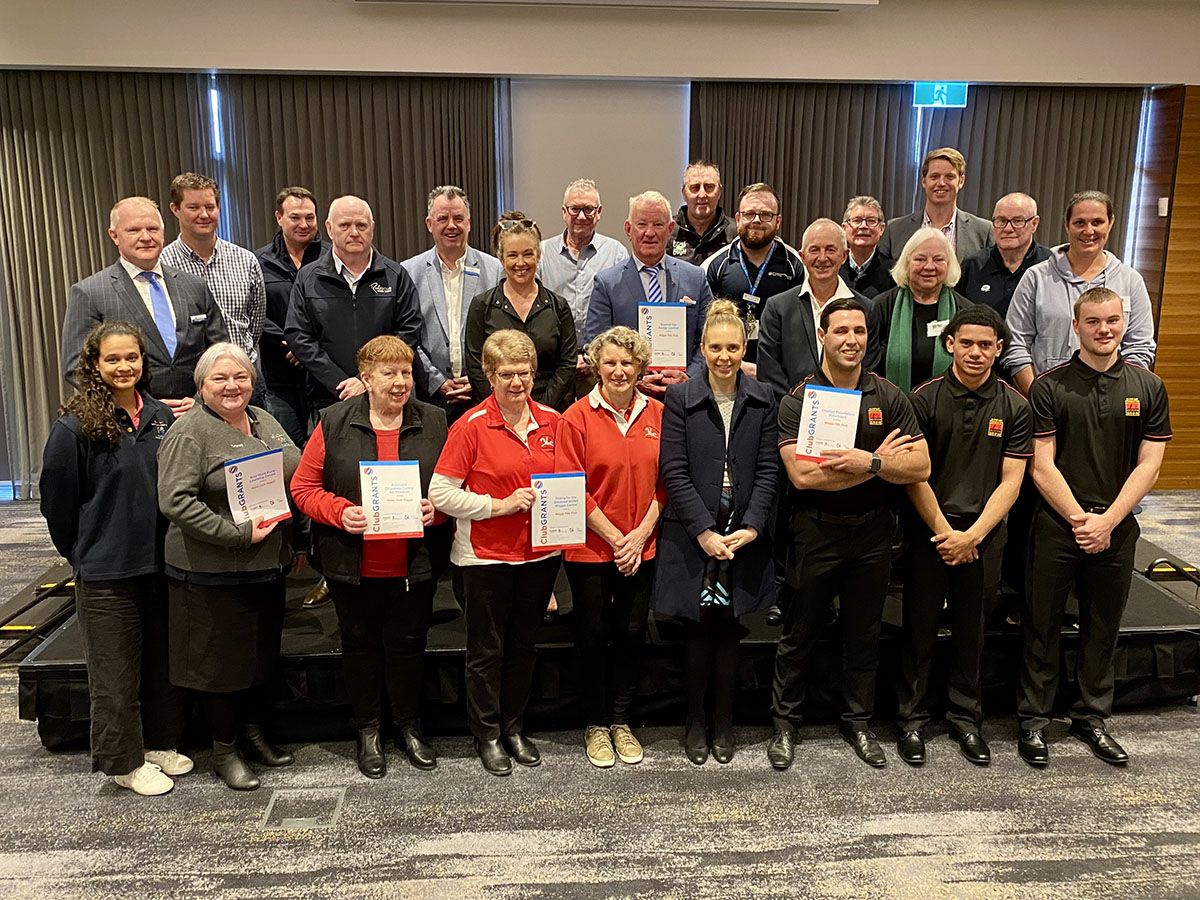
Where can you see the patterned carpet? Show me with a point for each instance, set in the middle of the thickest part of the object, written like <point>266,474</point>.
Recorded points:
<point>829,828</point>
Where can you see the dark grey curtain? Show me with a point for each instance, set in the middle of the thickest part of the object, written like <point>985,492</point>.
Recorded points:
<point>818,145</point>
<point>1046,141</point>
<point>386,139</point>
<point>71,143</point>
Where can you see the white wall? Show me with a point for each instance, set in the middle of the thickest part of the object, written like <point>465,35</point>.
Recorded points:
<point>626,136</point>
<point>1027,41</point>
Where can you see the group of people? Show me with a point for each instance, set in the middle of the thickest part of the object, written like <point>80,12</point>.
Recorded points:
<point>987,368</point>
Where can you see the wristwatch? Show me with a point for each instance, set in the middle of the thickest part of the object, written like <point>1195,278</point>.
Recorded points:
<point>876,464</point>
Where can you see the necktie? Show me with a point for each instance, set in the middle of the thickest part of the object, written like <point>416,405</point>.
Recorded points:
<point>653,289</point>
<point>162,311</point>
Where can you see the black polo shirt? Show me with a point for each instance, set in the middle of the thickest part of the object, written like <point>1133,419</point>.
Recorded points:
<point>986,279</point>
<point>1098,420</point>
<point>875,278</point>
<point>883,408</point>
<point>732,276</point>
<point>970,432</point>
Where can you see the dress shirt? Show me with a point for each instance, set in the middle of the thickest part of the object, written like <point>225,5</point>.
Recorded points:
<point>235,278</point>
<point>572,277</point>
<point>950,231</point>
<point>452,287</point>
<point>344,270</point>
<point>143,286</point>
<point>841,292</point>
<point>657,270</point>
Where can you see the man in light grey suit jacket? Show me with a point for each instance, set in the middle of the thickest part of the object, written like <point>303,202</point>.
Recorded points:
<point>942,176</point>
<point>447,278</point>
<point>618,290</point>
<point>123,293</point>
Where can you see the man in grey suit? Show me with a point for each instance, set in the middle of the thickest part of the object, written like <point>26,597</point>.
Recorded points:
<point>650,276</point>
<point>175,311</point>
<point>942,176</point>
<point>447,278</point>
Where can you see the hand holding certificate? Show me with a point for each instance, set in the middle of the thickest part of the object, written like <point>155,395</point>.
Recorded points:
<point>664,325</point>
<point>391,499</point>
<point>256,488</point>
<point>558,517</point>
<point>828,421</point>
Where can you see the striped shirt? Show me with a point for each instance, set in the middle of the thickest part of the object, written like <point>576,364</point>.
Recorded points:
<point>235,278</point>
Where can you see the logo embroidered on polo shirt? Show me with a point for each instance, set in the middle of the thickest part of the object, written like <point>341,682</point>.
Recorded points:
<point>546,442</point>
<point>651,433</point>
<point>680,248</point>
<point>1133,406</point>
<point>874,416</point>
<point>380,288</point>
<point>996,428</point>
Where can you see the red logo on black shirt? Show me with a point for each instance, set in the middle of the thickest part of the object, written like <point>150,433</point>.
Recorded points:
<point>996,428</point>
<point>1133,406</point>
<point>874,416</point>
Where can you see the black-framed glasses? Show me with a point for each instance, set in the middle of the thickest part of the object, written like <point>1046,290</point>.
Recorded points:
<point>586,211</point>
<point>1017,222</point>
<point>756,215</point>
<point>860,221</point>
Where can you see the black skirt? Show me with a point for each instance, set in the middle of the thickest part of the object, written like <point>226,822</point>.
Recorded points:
<point>225,637</point>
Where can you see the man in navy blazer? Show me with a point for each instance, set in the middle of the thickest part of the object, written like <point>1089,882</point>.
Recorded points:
<point>122,293</point>
<point>619,290</point>
<point>447,278</point>
<point>943,175</point>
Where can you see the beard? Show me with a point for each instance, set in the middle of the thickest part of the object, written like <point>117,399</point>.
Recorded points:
<point>755,239</point>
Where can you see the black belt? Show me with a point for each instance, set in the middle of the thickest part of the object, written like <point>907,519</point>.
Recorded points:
<point>847,521</point>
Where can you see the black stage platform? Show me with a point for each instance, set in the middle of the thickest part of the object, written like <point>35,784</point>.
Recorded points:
<point>1158,660</point>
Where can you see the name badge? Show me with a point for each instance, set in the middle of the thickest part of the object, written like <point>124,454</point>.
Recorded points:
<point>935,328</point>
<point>198,318</point>
<point>1126,304</point>
<point>751,299</point>
<point>473,271</point>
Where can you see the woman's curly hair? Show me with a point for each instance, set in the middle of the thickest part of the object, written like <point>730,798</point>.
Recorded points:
<point>92,403</point>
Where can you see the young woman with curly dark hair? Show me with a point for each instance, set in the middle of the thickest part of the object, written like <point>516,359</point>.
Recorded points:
<point>99,497</point>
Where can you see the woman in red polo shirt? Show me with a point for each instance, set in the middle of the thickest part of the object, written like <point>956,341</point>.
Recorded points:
<point>483,480</point>
<point>383,588</point>
<point>612,435</point>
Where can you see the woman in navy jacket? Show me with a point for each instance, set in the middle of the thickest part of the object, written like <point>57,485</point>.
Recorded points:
<point>99,497</point>
<point>719,464</point>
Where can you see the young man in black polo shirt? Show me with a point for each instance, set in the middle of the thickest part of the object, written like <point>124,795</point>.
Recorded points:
<point>980,438</point>
<point>842,528</point>
<point>1100,429</point>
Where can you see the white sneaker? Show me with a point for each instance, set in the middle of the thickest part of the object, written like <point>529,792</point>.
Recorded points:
<point>171,762</point>
<point>147,780</point>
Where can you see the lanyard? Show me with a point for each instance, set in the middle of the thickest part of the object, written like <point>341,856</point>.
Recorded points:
<point>762,270</point>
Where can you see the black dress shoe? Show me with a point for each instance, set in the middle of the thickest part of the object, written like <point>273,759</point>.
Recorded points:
<point>973,747</point>
<point>911,747</point>
<point>865,746</point>
<point>1101,743</point>
<point>722,748</point>
<point>523,750</point>
<point>774,615</point>
<point>228,763</point>
<point>318,596</point>
<point>695,744</point>
<point>416,748</point>
<point>257,749</point>
<point>493,757</point>
<point>781,749</point>
<point>1032,747</point>
<point>371,761</point>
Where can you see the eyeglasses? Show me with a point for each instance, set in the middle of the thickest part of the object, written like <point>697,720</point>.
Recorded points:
<point>1017,222</point>
<point>509,224</point>
<point>860,221</point>
<point>756,215</point>
<point>586,211</point>
<point>523,375</point>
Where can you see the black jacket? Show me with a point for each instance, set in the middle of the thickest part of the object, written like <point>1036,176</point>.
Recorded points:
<point>279,274</point>
<point>874,280</point>
<point>879,326</point>
<point>101,502</point>
<point>550,325</point>
<point>690,246</point>
<point>327,323</point>
<point>349,440</point>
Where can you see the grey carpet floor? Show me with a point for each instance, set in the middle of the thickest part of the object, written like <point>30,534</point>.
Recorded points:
<point>829,828</point>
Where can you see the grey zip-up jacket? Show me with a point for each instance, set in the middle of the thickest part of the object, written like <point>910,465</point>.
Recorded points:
<point>1040,314</point>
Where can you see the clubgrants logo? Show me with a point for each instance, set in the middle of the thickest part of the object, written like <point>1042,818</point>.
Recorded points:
<point>546,442</point>
<point>996,428</point>
<point>380,288</point>
<point>374,498</point>
<point>1133,406</point>
<point>543,511</point>
<point>651,433</point>
<point>239,488</point>
<point>874,416</point>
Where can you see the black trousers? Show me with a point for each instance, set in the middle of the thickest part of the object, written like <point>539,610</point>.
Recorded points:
<point>226,710</point>
<point>710,659</point>
<point>1101,582</point>
<point>134,705</point>
<point>505,605</point>
<point>609,609</point>
<point>384,624</point>
<point>969,590</point>
<point>853,562</point>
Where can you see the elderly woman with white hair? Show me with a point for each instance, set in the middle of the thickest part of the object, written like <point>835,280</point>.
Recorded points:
<point>225,578</point>
<point>905,325</point>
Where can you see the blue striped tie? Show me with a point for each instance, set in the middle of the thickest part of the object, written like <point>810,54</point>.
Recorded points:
<point>162,312</point>
<point>653,289</point>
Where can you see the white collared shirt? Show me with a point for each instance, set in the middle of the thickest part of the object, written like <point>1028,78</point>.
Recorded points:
<point>661,274</point>
<point>842,292</point>
<point>344,270</point>
<point>597,400</point>
<point>143,286</point>
<point>452,289</point>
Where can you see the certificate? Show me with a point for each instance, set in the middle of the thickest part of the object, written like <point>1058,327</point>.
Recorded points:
<point>256,488</point>
<point>558,518</point>
<point>664,325</point>
<point>828,421</point>
<point>391,498</point>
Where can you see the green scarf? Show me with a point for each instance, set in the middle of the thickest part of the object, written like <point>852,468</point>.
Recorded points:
<point>898,363</point>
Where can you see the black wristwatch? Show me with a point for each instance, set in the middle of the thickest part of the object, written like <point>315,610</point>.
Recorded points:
<point>876,464</point>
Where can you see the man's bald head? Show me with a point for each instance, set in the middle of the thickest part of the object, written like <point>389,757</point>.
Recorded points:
<point>351,228</point>
<point>136,228</point>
